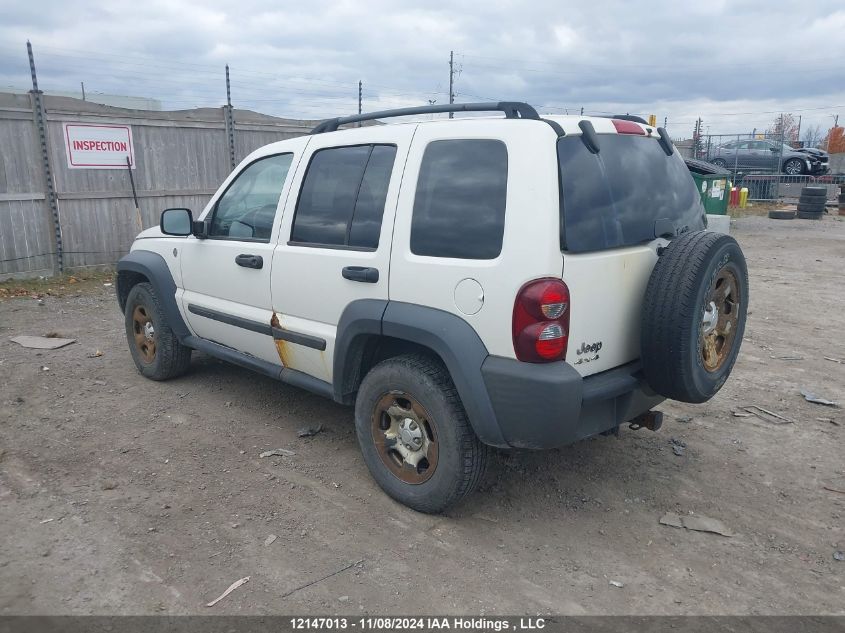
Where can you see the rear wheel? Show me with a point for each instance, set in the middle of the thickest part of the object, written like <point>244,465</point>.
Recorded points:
<point>719,162</point>
<point>415,436</point>
<point>156,350</point>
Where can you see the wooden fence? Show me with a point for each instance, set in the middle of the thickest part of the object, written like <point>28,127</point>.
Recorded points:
<point>181,158</point>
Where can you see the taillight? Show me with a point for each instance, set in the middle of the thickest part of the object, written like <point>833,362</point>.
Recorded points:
<point>627,127</point>
<point>541,321</point>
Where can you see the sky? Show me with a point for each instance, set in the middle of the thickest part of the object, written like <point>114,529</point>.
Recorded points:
<point>736,64</point>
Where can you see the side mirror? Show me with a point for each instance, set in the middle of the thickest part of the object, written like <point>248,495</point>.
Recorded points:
<point>178,222</point>
<point>773,149</point>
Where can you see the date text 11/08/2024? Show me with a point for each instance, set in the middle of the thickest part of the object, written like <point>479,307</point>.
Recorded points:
<point>417,623</point>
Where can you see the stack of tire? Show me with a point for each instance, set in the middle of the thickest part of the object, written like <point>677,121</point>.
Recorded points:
<point>811,203</point>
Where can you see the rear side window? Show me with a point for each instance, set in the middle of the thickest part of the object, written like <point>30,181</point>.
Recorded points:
<point>627,194</point>
<point>342,199</point>
<point>459,207</point>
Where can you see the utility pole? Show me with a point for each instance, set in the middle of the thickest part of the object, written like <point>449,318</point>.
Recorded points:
<point>82,83</point>
<point>696,136</point>
<point>230,120</point>
<point>451,81</point>
<point>49,184</point>
<point>360,95</point>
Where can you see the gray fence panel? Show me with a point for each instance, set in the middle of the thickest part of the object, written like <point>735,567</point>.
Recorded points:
<point>25,240</point>
<point>25,226</point>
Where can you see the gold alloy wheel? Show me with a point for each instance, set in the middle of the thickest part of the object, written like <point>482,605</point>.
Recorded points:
<point>405,437</point>
<point>145,334</point>
<point>720,320</point>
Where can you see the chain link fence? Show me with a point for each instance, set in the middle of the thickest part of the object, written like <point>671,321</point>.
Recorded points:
<point>766,164</point>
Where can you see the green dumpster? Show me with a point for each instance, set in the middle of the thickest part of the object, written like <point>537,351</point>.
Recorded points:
<point>714,191</point>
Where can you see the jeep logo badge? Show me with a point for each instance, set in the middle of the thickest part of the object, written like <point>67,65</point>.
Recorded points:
<point>589,349</point>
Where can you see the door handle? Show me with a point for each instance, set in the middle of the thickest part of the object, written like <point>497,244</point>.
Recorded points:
<point>360,273</point>
<point>250,261</point>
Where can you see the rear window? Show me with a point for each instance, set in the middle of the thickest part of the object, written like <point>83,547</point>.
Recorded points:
<point>623,195</point>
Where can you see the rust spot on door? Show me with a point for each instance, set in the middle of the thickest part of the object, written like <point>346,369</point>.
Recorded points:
<point>281,346</point>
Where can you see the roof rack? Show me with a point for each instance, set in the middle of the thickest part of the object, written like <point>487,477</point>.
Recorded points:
<point>512,110</point>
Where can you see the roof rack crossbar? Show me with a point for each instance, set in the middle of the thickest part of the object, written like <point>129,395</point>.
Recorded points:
<point>511,109</point>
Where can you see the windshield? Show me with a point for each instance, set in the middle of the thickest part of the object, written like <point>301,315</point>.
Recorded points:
<point>628,193</point>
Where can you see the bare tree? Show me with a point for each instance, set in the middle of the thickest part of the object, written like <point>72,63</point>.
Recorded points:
<point>784,126</point>
<point>812,135</point>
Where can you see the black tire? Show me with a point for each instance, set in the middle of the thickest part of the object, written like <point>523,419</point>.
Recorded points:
<point>805,215</point>
<point>815,202</point>
<point>719,162</point>
<point>779,214</point>
<point>460,459</point>
<point>169,358</point>
<point>815,207</point>
<point>789,167</point>
<point>674,333</point>
<point>814,192</point>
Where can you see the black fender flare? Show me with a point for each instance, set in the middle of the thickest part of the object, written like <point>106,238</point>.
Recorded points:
<point>446,334</point>
<point>152,266</point>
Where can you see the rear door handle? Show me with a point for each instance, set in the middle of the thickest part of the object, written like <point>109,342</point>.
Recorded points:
<point>360,273</point>
<point>250,261</point>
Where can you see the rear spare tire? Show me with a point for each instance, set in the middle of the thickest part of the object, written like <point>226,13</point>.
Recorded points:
<point>694,316</point>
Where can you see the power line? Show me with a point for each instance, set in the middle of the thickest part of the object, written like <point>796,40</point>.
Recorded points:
<point>649,66</point>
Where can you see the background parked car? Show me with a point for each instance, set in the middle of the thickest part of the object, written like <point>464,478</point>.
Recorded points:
<point>766,155</point>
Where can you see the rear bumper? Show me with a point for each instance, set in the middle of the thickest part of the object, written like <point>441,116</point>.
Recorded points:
<point>551,405</point>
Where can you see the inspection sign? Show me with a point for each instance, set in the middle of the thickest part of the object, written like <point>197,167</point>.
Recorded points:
<point>91,146</point>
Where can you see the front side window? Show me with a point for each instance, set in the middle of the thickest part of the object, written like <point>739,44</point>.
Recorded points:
<point>246,209</point>
<point>459,207</point>
<point>343,197</point>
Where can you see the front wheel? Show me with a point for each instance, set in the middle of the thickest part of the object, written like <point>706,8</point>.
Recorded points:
<point>793,167</point>
<point>415,436</point>
<point>155,348</point>
<point>719,162</point>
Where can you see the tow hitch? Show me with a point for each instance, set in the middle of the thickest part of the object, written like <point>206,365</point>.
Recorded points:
<point>651,420</point>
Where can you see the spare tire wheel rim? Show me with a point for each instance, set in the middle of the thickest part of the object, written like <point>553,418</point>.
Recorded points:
<point>144,332</point>
<point>405,437</point>
<point>719,320</point>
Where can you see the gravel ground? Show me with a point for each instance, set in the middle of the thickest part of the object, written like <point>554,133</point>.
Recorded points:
<point>119,495</point>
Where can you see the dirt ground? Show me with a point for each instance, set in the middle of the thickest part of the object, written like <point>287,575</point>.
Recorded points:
<point>119,495</point>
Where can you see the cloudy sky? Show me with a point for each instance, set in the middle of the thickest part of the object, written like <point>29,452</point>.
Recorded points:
<point>737,64</point>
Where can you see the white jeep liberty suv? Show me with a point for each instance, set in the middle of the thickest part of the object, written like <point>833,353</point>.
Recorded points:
<point>513,281</point>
